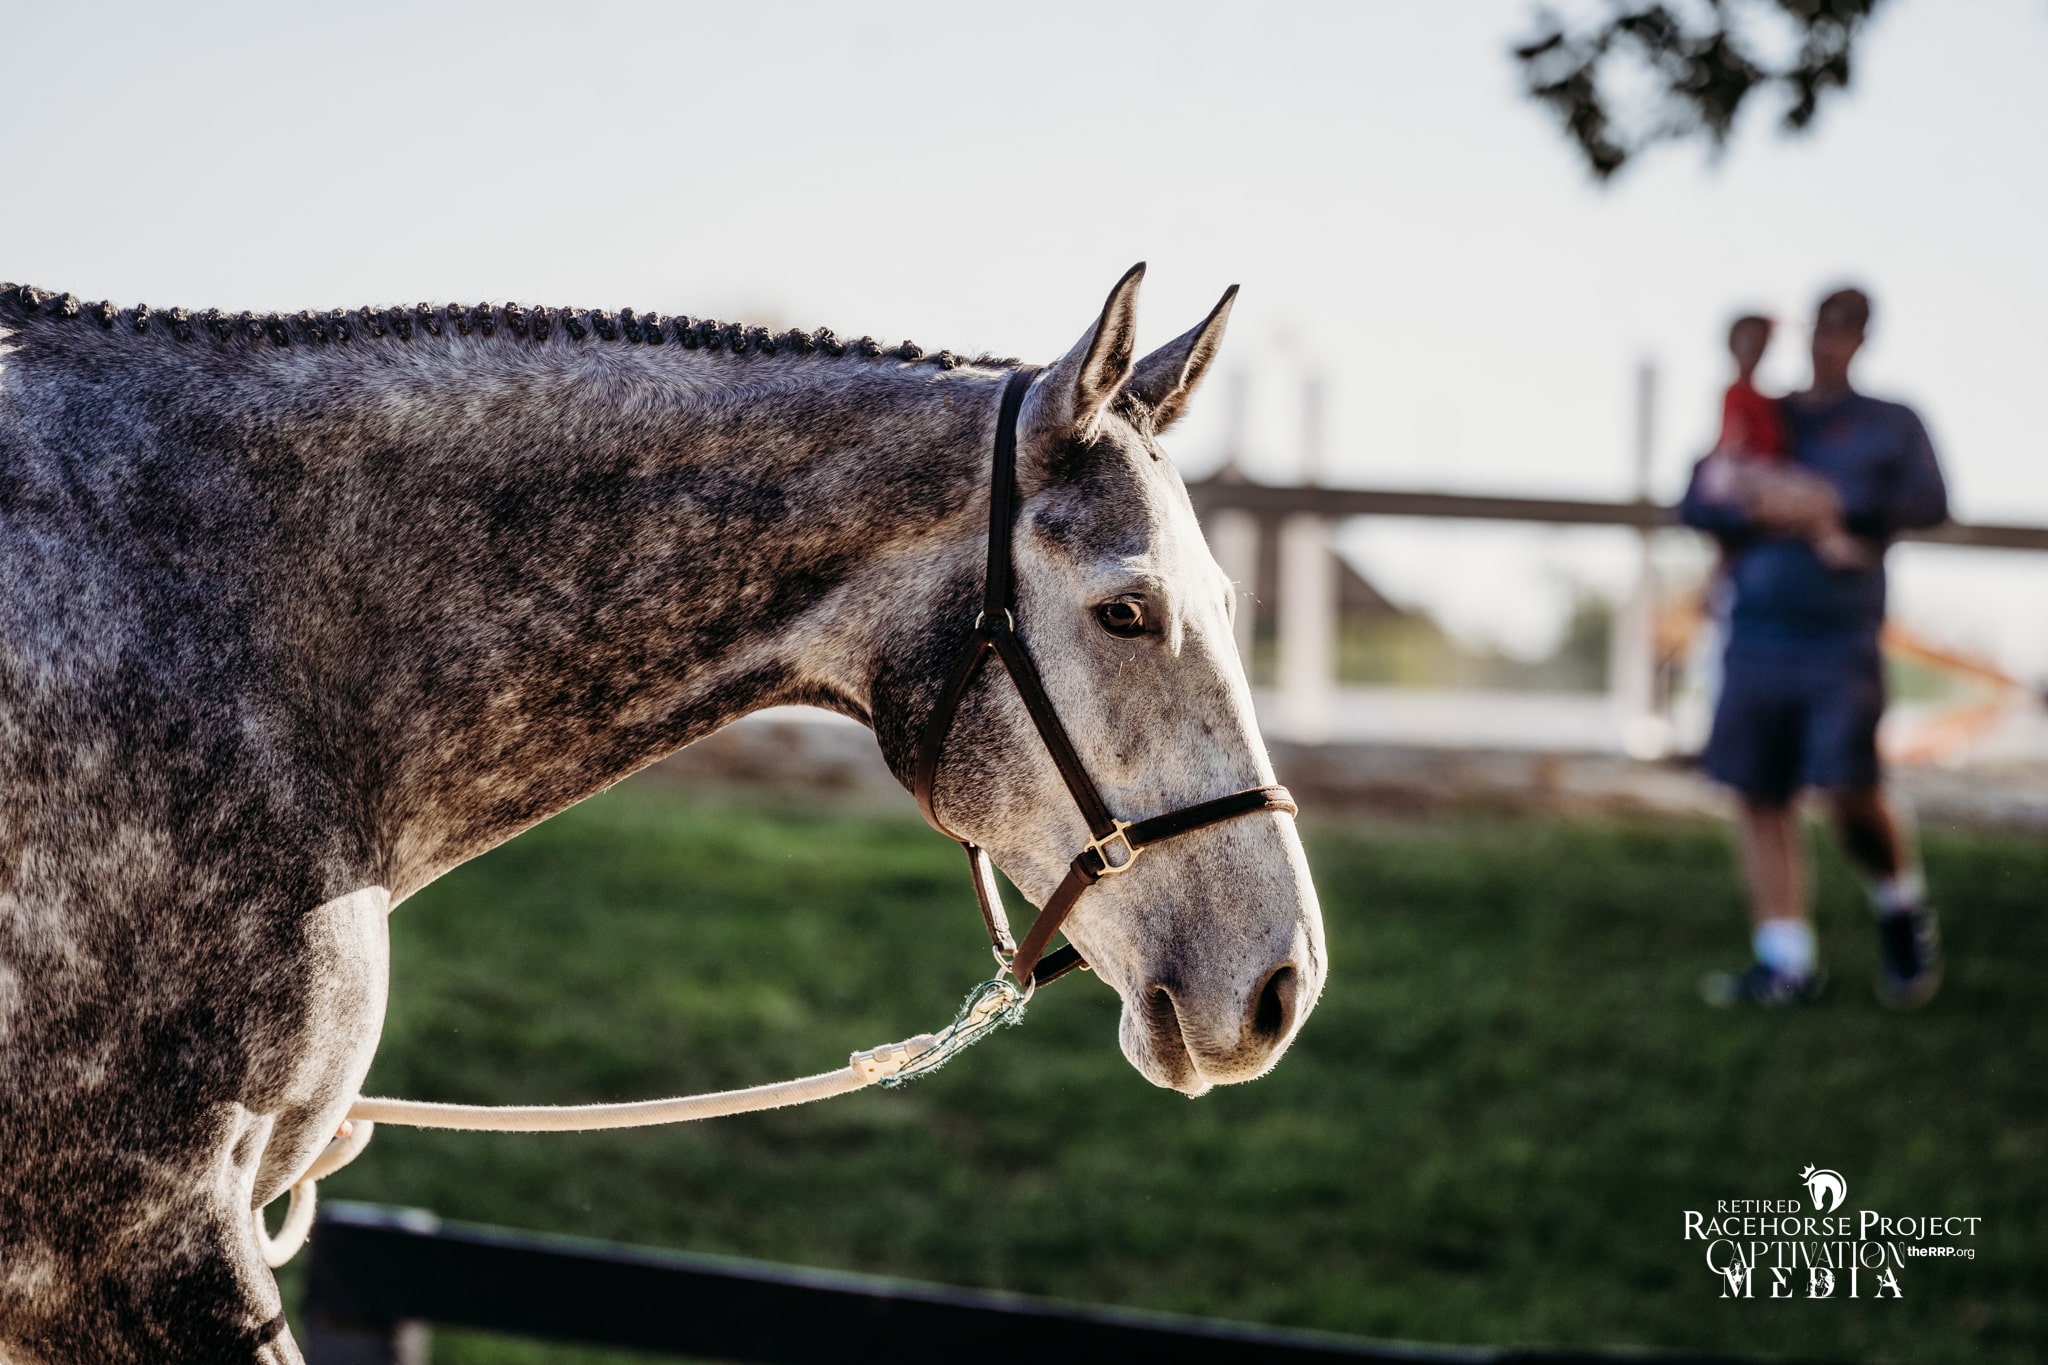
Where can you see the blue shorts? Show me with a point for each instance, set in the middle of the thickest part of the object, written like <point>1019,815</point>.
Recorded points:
<point>1791,718</point>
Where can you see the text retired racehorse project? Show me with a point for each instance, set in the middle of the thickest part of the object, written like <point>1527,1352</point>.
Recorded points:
<point>299,612</point>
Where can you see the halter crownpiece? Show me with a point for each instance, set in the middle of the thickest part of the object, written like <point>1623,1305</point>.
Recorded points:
<point>1115,844</point>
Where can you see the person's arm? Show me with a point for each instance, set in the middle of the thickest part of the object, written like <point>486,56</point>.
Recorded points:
<point>1913,496</point>
<point>1720,517</point>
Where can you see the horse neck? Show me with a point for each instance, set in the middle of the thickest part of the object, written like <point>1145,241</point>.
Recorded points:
<point>488,579</point>
<point>610,574</point>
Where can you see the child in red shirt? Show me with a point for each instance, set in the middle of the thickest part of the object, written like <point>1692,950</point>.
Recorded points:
<point>1750,424</point>
<point>1752,460</point>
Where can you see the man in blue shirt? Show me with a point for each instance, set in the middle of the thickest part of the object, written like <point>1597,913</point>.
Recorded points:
<point>1803,682</point>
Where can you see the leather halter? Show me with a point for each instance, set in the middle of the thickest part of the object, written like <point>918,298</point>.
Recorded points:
<point>1115,844</point>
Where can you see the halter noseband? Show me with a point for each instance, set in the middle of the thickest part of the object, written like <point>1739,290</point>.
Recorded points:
<point>1115,844</point>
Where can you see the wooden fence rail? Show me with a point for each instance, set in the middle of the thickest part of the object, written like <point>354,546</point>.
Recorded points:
<point>1275,541</point>
<point>1276,500</point>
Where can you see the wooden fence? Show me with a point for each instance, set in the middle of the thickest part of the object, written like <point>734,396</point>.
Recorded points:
<point>378,1275</point>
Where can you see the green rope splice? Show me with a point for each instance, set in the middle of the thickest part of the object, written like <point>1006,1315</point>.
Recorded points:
<point>988,1007</point>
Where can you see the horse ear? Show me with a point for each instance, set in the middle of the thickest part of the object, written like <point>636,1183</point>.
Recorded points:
<point>1164,380</point>
<point>1084,380</point>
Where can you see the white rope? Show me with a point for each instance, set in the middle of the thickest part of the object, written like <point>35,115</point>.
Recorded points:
<point>298,1223</point>
<point>580,1118</point>
<point>990,1005</point>
<point>298,1213</point>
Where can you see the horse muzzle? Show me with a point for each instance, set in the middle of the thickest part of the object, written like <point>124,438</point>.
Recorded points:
<point>1183,1039</point>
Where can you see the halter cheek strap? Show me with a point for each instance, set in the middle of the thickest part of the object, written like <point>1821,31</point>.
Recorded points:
<point>1115,844</point>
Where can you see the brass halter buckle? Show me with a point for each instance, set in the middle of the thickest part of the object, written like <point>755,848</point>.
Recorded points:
<point>1101,847</point>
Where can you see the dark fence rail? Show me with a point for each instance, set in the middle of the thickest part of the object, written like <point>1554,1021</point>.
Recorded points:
<point>374,1271</point>
<point>1275,500</point>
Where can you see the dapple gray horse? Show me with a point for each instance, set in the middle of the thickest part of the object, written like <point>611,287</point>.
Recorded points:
<point>299,612</point>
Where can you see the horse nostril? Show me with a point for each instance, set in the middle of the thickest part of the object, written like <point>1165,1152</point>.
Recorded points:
<point>1274,1011</point>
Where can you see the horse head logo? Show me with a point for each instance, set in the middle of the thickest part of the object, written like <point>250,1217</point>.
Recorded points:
<point>1827,1188</point>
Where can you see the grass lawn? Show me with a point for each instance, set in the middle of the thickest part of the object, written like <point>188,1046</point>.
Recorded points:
<point>1489,1131</point>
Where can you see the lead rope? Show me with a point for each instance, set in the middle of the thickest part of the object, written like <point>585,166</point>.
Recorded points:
<point>987,1008</point>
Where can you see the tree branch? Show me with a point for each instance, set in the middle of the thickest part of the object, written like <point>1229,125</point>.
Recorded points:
<point>1697,63</point>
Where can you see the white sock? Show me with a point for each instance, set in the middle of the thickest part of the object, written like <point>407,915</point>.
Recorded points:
<point>1785,946</point>
<point>1898,895</point>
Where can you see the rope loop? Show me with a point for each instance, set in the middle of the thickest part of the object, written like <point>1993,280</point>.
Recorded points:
<point>343,1148</point>
<point>993,1004</point>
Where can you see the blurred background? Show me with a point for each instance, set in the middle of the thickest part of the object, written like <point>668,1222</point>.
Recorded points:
<point>1489,1130</point>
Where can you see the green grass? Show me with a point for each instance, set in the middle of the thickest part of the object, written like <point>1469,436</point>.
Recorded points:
<point>1487,1133</point>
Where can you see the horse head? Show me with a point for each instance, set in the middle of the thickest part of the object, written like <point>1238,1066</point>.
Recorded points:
<point>1213,940</point>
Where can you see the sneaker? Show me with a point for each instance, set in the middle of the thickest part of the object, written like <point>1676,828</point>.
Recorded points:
<point>1757,984</point>
<point>1908,958</point>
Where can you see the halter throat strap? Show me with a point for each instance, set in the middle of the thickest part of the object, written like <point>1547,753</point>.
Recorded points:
<point>1115,844</point>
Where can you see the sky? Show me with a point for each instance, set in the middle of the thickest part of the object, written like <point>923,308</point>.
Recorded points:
<point>1407,228</point>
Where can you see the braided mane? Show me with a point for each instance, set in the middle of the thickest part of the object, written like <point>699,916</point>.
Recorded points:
<point>346,326</point>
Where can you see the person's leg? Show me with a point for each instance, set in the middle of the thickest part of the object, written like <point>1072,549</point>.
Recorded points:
<point>1755,749</point>
<point>1844,761</point>
<point>1774,865</point>
<point>1909,938</point>
<point>1870,833</point>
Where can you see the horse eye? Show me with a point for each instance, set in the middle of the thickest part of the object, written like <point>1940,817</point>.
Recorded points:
<point>1122,616</point>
